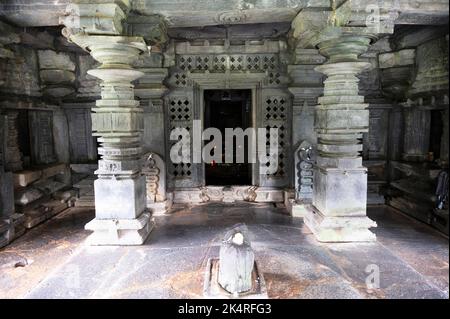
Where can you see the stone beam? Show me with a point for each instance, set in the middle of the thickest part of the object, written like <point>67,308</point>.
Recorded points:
<point>152,28</point>
<point>413,36</point>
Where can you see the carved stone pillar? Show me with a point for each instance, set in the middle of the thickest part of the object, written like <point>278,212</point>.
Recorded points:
<point>340,181</point>
<point>117,119</point>
<point>121,217</point>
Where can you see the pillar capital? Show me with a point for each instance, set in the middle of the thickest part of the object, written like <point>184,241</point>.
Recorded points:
<point>115,53</point>
<point>349,18</point>
<point>95,17</point>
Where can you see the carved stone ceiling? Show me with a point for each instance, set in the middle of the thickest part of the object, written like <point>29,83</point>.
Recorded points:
<point>217,12</point>
<point>195,13</point>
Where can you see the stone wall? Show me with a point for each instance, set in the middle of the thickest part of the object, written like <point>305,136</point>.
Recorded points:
<point>38,71</point>
<point>414,76</point>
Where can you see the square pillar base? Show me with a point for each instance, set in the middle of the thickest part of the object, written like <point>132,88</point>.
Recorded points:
<point>339,228</point>
<point>119,198</point>
<point>120,232</point>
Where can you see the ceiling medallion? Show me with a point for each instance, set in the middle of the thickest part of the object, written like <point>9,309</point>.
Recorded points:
<point>229,17</point>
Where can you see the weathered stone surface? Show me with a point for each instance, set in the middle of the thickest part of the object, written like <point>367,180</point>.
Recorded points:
<point>119,199</point>
<point>120,231</point>
<point>21,74</point>
<point>88,84</point>
<point>49,59</point>
<point>96,18</point>
<point>340,228</point>
<point>58,91</point>
<point>27,196</point>
<point>82,145</point>
<point>432,69</point>
<point>13,155</point>
<point>61,136</point>
<point>416,134</point>
<point>26,177</point>
<point>54,169</point>
<point>42,146</point>
<point>414,36</point>
<point>43,212</point>
<point>399,58</point>
<point>48,186</point>
<point>236,261</point>
<point>57,76</point>
<point>6,195</point>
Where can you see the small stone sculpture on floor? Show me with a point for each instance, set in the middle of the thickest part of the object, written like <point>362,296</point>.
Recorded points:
<point>236,261</point>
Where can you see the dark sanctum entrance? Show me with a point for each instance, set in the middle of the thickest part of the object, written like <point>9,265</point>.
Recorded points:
<point>228,109</point>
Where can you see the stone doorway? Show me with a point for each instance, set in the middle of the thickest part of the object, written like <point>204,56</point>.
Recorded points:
<point>228,109</point>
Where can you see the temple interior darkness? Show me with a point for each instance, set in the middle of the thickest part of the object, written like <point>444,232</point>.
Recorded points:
<point>353,203</point>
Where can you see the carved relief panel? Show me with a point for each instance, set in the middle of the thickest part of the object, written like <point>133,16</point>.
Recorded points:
<point>82,145</point>
<point>41,127</point>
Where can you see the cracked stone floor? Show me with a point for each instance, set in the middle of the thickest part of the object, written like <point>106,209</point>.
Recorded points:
<point>52,261</point>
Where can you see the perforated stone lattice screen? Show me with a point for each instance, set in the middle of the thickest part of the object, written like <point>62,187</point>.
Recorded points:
<point>233,63</point>
<point>180,116</point>
<point>275,116</point>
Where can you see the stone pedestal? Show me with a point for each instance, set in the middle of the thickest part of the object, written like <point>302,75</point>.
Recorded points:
<point>120,190</point>
<point>340,180</point>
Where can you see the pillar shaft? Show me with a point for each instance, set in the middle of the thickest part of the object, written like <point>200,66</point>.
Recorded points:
<point>340,181</point>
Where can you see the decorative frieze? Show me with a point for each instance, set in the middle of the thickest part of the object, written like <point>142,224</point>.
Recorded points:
<point>228,62</point>
<point>228,194</point>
